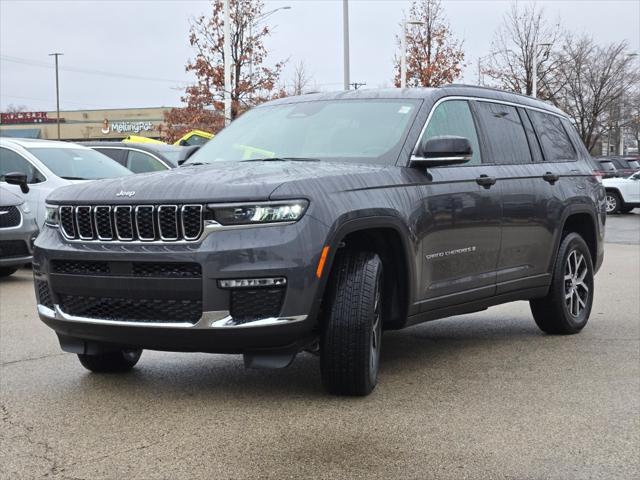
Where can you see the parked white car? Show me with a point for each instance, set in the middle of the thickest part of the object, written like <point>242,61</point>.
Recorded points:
<point>32,169</point>
<point>623,194</point>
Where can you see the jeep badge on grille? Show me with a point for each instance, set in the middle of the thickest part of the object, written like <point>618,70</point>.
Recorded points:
<point>122,193</point>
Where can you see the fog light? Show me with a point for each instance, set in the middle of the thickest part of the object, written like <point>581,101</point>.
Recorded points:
<point>252,282</point>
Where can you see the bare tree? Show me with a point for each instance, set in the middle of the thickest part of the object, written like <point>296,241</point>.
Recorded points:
<point>11,108</point>
<point>301,79</point>
<point>594,85</point>
<point>524,36</point>
<point>434,56</point>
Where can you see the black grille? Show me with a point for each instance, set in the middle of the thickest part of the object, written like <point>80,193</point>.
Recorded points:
<point>70,267</point>
<point>102,217</point>
<point>9,217</point>
<point>135,269</point>
<point>132,310</point>
<point>13,248</point>
<point>132,223</point>
<point>168,220</point>
<point>252,304</point>
<point>85,223</point>
<point>44,294</point>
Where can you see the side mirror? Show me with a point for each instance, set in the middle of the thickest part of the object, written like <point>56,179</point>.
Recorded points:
<point>440,151</point>
<point>17,178</point>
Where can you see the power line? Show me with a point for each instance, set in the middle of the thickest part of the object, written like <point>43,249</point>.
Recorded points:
<point>41,64</point>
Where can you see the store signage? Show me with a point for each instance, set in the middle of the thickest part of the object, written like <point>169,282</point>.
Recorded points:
<point>26,117</point>
<point>126,127</point>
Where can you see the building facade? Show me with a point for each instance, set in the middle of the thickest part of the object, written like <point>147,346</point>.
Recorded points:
<point>80,125</point>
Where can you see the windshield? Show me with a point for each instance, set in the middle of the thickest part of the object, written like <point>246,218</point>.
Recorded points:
<point>347,130</point>
<point>79,163</point>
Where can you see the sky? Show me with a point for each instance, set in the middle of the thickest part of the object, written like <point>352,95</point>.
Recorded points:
<point>136,49</point>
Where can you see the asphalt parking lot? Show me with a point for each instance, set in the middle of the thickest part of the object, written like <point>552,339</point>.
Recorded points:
<point>480,396</point>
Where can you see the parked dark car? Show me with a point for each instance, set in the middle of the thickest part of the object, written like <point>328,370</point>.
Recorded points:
<point>144,157</point>
<point>18,229</point>
<point>614,166</point>
<point>316,222</point>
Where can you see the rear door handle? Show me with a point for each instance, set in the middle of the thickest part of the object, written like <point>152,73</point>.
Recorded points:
<point>486,181</point>
<point>551,177</point>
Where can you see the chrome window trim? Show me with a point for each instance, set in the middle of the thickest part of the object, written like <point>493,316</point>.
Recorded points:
<point>175,212</point>
<point>115,222</point>
<point>184,234</point>
<point>18,207</point>
<point>476,99</point>
<point>153,222</point>
<point>77,225</point>
<point>95,220</point>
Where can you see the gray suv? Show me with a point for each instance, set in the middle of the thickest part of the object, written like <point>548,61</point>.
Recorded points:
<point>314,223</point>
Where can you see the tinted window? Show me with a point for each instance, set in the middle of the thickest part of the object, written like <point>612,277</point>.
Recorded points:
<point>116,154</point>
<point>608,166</point>
<point>78,163</point>
<point>534,143</point>
<point>371,130</point>
<point>139,162</point>
<point>11,162</point>
<point>454,118</point>
<point>555,142</point>
<point>506,142</point>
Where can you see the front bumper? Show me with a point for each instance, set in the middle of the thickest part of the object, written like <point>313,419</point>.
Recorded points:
<point>16,243</point>
<point>290,251</point>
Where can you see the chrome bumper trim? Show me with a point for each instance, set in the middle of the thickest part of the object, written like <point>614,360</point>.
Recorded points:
<point>220,319</point>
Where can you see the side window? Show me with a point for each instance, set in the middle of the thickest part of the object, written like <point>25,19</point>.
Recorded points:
<point>633,163</point>
<point>506,141</point>
<point>608,166</point>
<point>534,143</point>
<point>139,162</point>
<point>117,154</point>
<point>10,162</point>
<point>555,142</point>
<point>454,117</point>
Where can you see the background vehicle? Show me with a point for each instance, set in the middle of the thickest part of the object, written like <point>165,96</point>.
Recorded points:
<point>623,194</point>
<point>32,169</point>
<point>18,230</point>
<point>144,157</point>
<point>613,166</point>
<point>374,210</point>
<point>189,139</point>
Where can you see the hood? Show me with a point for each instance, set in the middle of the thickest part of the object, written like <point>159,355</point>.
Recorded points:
<point>9,199</point>
<point>219,182</point>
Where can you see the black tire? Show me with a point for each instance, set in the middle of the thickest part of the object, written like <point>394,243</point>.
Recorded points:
<point>6,271</point>
<point>613,202</point>
<point>566,308</point>
<point>350,341</point>
<point>111,362</point>
<point>626,209</point>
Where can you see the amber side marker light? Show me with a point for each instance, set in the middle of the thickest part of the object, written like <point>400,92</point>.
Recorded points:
<point>323,259</point>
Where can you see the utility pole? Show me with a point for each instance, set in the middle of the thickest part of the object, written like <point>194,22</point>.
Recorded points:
<point>534,73</point>
<point>345,34</point>
<point>227,64</point>
<point>56,55</point>
<point>403,50</point>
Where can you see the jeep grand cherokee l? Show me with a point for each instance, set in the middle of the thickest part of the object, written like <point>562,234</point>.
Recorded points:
<point>316,222</point>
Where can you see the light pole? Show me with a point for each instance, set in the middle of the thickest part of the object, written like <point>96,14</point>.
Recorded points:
<point>403,51</point>
<point>345,40</point>
<point>56,55</point>
<point>227,64</point>
<point>620,119</point>
<point>256,21</point>
<point>534,73</point>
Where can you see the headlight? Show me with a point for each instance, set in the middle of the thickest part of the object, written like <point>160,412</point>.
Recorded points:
<point>268,212</point>
<point>51,216</point>
<point>25,208</point>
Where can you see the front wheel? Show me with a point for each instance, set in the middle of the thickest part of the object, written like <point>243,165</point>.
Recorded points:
<point>350,342</point>
<point>111,362</point>
<point>566,308</point>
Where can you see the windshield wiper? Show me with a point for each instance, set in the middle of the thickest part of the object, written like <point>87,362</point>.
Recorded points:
<point>74,178</point>
<point>283,159</point>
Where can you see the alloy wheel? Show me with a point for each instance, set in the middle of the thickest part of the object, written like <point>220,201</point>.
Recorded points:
<point>612,203</point>
<point>576,289</point>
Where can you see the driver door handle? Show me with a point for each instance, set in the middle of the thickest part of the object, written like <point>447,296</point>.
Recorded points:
<point>551,177</point>
<point>486,181</point>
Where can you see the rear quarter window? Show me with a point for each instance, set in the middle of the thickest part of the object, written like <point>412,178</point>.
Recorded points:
<point>555,141</point>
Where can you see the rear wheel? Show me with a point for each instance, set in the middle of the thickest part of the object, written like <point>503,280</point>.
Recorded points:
<point>566,308</point>
<point>6,271</point>
<point>613,202</point>
<point>350,343</point>
<point>111,362</point>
